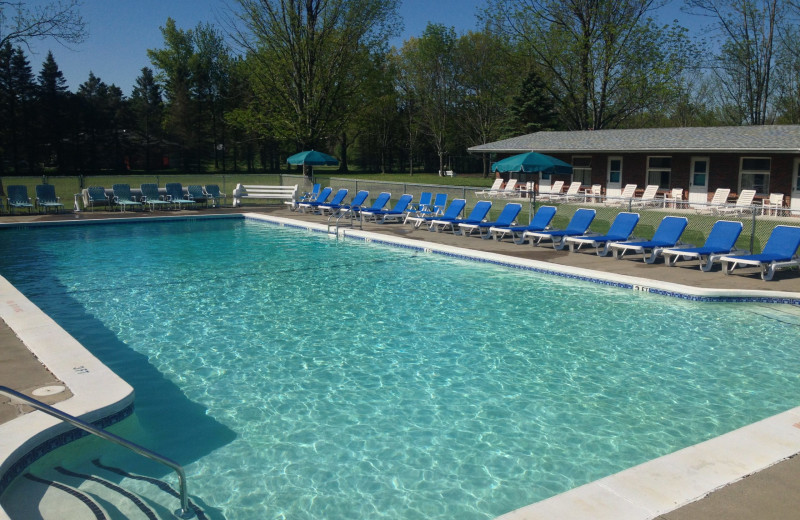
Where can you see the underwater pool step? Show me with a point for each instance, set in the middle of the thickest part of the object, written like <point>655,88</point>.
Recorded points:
<point>93,491</point>
<point>37,497</point>
<point>161,485</point>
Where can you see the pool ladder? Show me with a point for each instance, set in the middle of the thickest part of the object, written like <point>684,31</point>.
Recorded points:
<point>184,512</point>
<point>349,215</point>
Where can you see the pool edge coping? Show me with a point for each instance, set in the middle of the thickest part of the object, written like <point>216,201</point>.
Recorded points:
<point>614,496</point>
<point>28,437</point>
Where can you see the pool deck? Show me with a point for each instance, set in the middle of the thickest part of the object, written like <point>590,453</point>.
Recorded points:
<point>759,459</point>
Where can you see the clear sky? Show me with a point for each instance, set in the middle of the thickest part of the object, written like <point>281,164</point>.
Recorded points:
<point>121,31</point>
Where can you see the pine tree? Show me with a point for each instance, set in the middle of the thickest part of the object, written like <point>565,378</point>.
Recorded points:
<point>532,108</point>
<point>53,119</point>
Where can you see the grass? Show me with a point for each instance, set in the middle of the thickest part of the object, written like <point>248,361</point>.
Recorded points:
<point>460,186</point>
<point>67,186</point>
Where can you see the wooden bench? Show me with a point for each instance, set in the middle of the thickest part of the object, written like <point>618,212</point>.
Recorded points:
<point>254,191</point>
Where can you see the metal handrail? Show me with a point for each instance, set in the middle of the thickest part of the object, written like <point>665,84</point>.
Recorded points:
<point>183,512</point>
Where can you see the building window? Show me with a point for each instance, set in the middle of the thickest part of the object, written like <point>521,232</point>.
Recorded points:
<point>700,172</point>
<point>754,174</point>
<point>615,170</point>
<point>582,170</point>
<point>658,171</point>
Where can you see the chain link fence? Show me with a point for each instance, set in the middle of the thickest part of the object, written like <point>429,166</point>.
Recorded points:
<point>758,219</point>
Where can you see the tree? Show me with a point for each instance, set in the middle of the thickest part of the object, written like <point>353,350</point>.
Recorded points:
<point>211,72</point>
<point>58,20</point>
<point>602,61</point>
<point>484,74</point>
<point>53,103</point>
<point>147,106</point>
<point>430,72</point>
<point>788,77</point>
<point>746,61</point>
<point>307,54</point>
<point>17,100</point>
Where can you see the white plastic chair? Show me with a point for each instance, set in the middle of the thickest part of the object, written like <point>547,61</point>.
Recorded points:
<point>773,205</point>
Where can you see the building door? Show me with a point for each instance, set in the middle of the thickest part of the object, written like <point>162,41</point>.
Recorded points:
<point>698,181</point>
<point>614,177</point>
<point>795,202</point>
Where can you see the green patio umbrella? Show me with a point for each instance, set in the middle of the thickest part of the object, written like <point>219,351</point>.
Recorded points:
<point>312,158</point>
<point>532,162</point>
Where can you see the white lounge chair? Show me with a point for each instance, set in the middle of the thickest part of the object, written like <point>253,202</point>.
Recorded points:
<point>493,190</point>
<point>719,199</point>
<point>510,189</point>
<point>648,198</point>
<point>573,192</point>
<point>553,192</point>
<point>744,204</point>
<point>625,196</point>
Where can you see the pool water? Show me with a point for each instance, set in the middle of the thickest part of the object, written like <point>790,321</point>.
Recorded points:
<point>300,377</point>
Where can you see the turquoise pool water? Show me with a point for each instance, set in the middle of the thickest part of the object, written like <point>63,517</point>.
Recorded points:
<point>301,377</point>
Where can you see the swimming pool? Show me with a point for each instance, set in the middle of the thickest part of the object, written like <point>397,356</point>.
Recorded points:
<point>302,377</point>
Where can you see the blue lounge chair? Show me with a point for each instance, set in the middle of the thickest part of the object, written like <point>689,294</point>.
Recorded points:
<point>432,210</point>
<point>390,215</point>
<point>46,198</point>
<point>124,198</point>
<point>322,198</point>
<point>577,226</point>
<point>453,211</point>
<point>379,204</point>
<point>424,203</point>
<point>720,242</point>
<point>506,218</point>
<point>308,196</point>
<point>477,215</point>
<point>18,198</point>
<point>667,235</point>
<point>311,195</point>
<point>779,252</point>
<point>541,220</point>
<point>333,208</point>
<point>151,197</point>
<point>620,231</point>
<point>214,194</point>
<point>175,195</point>
<point>96,196</point>
<point>337,199</point>
<point>195,192</point>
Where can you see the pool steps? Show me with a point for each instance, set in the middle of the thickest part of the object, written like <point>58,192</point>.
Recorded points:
<point>91,491</point>
<point>183,512</point>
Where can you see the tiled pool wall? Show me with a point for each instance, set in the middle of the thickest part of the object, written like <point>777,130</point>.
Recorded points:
<point>584,275</point>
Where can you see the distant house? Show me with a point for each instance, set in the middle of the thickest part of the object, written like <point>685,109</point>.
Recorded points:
<point>700,160</point>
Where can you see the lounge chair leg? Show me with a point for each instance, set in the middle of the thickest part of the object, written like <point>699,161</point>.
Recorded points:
<point>728,270</point>
<point>767,272</point>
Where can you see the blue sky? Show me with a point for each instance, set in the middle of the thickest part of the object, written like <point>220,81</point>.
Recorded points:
<point>121,31</point>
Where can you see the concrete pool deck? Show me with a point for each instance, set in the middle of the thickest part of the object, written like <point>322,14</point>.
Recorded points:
<point>757,458</point>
